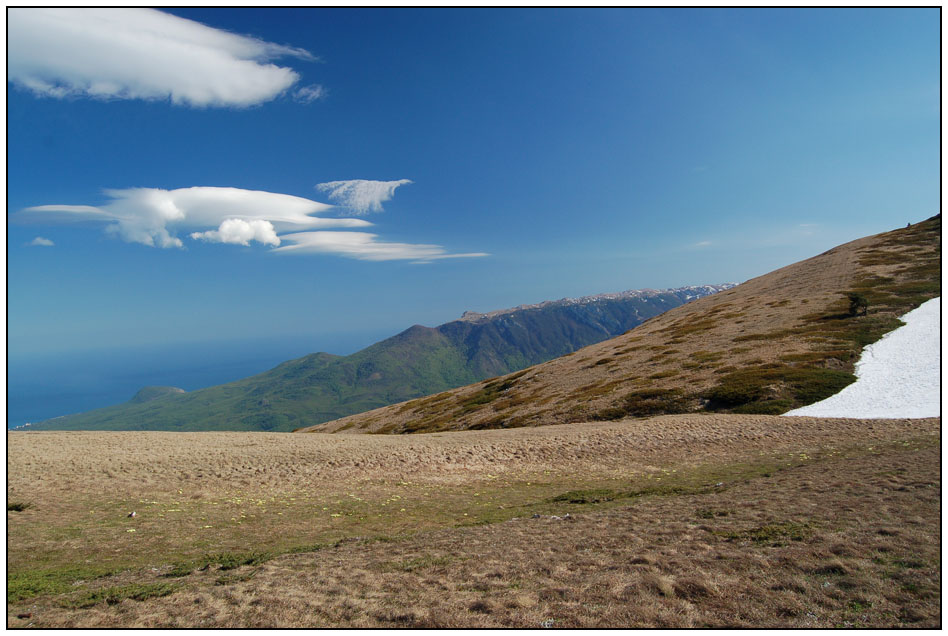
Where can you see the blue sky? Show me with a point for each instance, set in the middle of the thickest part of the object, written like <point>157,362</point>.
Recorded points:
<point>549,153</point>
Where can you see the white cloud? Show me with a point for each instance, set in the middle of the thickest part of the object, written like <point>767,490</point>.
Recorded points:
<point>308,94</point>
<point>138,53</point>
<point>364,246</point>
<point>144,215</point>
<point>702,243</point>
<point>360,195</point>
<point>240,232</point>
<point>67,212</point>
<point>41,242</point>
<point>151,216</point>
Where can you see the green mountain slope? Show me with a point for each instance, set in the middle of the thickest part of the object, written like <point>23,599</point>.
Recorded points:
<point>417,362</point>
<point>149,393</point>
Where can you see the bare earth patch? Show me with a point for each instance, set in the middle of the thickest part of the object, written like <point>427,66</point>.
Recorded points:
<point>676,521</point>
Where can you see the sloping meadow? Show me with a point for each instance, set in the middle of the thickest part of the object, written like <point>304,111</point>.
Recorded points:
<point>774,343</point>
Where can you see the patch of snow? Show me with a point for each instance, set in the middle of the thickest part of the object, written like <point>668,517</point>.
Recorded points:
<point>898,376</point>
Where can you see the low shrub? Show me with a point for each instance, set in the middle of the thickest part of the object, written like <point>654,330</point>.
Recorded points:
<point>114,595</point>
<point>765,407</point>
<point>645,402</point>
<point>768,389</point>
<point>586,496</point>
<point>488,393</point>
<point>224,561</point>
<point>36,582</point>
<point>775,534</point>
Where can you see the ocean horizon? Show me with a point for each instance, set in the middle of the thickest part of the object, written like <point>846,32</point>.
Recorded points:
<point>48,385</point>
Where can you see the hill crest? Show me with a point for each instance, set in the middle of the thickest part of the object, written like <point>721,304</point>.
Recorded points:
<point>776,342</point>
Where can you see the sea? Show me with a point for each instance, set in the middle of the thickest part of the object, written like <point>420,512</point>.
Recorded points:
<point>43,386</point>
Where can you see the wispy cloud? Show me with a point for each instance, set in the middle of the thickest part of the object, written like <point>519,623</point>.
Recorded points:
<point>39,241</point>
<point>137,53</point>
<point>149,215</point>
<point>808,229</point>
<point>702,243</point>
<point>364,246</point>
<point>360,195</point>
<point>309,94</point>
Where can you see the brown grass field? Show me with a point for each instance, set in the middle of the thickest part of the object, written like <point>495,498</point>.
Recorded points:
<point>674,521</point>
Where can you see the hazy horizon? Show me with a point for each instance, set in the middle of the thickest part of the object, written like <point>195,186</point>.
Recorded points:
<point>54,384</point>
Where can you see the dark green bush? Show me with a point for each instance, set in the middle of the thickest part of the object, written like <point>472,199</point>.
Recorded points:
<point>858,304</point>
<point>597,495</point>
<point>644,403</point>
<point>775,389</point>
<point>114,595</point>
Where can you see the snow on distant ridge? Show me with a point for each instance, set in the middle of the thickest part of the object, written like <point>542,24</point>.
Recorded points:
<point>898,376</point>
<point>691,292</point>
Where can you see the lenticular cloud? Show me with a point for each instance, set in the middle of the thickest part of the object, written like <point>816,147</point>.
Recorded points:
<point>364,246</point>
<point>149,215</point>
<point>361,195</point>
<point>137,53</point>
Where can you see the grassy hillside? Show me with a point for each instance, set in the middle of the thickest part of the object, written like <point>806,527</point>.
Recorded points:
<point>417,362</point>
<point>774,343</point>
<point>149,393</point>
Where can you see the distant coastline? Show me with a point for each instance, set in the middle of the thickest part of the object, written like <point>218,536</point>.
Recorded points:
<point>44,387</point>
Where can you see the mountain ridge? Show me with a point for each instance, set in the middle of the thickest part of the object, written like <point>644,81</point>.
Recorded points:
<point>473,316</point>
<point>413,363</point>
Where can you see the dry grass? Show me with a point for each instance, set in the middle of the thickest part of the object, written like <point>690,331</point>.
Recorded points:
<point>674,521</point>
